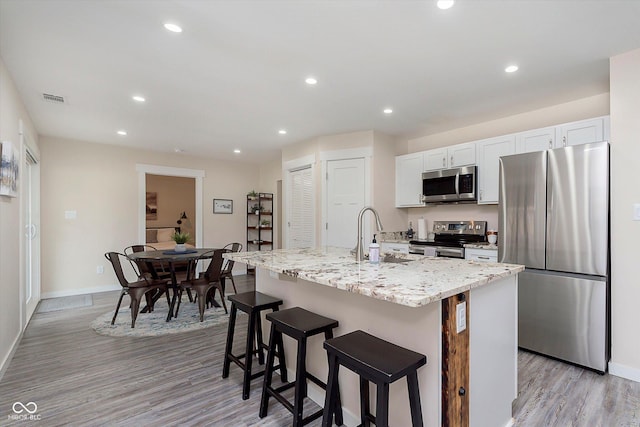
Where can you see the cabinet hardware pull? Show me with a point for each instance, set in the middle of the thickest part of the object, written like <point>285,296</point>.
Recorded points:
<point>483,257</point>
<point>564,141</point>
<point>444,162</point>
<point>451,160</point>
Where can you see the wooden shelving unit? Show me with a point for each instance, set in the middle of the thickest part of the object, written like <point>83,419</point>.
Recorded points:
<point>259,223</point>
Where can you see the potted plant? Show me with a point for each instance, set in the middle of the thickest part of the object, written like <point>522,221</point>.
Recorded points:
<point>257,208</point>
<point>252,195</point>
<point>180,239</point>
<point>265,223</point>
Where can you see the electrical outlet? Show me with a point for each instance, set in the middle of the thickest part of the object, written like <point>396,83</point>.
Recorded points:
<point>100,269</point>
<point>461,317</point>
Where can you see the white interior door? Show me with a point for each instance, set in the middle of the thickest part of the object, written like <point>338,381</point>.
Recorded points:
<point>31,181</point>
<point>345,198</point>
<point>300,217</point>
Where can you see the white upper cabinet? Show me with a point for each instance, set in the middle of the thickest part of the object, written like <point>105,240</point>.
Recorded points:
<point>536,140</point>
<point>435,159</point>
<point>409,169</point>
<point>450,157</point>
<point>462,154</point>
<point>583,132</point>
<point>489,152</point>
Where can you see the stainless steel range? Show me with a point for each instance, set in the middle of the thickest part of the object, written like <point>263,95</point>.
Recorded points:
<point>449,238</point>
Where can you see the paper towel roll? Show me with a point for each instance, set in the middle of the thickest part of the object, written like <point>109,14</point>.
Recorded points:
<point>422,229</point>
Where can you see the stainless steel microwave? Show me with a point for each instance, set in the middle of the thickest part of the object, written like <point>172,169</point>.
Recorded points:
<point>450,185</point>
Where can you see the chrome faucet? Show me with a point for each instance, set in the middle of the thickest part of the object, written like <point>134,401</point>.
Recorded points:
<point>359,247</point>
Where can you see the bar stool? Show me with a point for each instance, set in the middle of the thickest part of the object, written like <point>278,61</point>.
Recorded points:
<point>377,361</point>
<point>299,324</point>
<point>252,303</point>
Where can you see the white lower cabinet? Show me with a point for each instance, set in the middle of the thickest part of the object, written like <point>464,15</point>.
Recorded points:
<point>487,255</point>
<point>388,247</point>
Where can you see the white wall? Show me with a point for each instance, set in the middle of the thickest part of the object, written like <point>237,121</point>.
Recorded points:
<point>625,233</point>
<point>100,182</point>
<point>11,278</point>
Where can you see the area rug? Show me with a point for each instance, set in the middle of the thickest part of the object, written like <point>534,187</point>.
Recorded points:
<point>155,324</point>
<point>63,303</point>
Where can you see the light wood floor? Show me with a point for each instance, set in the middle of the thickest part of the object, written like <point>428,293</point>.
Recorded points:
<point>79,378</point>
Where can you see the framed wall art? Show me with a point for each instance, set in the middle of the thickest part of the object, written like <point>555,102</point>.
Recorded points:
<point>9,170</point>
<point>222,206</point>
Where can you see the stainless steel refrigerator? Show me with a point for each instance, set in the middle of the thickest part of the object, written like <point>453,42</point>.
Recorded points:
<point>554,219</point>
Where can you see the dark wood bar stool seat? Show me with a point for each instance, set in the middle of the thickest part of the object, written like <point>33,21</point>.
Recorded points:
<point>298,324</point>
<point>252,303</point>
<point>376,361</point>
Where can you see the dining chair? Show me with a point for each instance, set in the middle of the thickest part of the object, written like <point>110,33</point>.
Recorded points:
<point>150,269</point>
<point>209,280</point>
<point>227,269</point>
<point>136,290</point>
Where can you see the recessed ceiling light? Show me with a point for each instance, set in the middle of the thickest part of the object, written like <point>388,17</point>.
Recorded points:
<point>282,131</point>
<point>173,27</point>
<point>122,132</point>
<point>138,98</point>
<point>311,80</point>
<point>511,69</point>
<point>178,150</point>
<point>237,151</point>
<point>445,4</point>
<point>387,111</point>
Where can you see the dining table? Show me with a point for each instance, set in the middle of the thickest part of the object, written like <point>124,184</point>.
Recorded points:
<point>172,259</point>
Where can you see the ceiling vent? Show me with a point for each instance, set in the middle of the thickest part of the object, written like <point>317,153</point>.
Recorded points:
<point>56,99</point>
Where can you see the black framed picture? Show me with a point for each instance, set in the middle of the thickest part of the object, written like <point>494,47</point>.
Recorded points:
<point>222,206</point>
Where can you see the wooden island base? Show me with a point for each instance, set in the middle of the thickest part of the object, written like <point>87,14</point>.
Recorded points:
<point>490,357</point>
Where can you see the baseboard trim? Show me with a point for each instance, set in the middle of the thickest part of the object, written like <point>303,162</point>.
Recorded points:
<point>9,356</point>
<point>82,291</point>
<point>625,372</point>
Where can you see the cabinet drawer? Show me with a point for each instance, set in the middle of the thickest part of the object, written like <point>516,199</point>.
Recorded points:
<point>487,255</point>
<point>394,247</point>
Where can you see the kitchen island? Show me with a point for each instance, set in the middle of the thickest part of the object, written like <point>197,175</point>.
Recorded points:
<point>409,301</point>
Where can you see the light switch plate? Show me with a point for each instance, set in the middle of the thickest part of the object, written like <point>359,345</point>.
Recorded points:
<point>70,214</point>
<point>461,317</point>
<point>636,211</point>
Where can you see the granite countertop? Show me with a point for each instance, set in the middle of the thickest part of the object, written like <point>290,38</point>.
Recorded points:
<point>394,241</point>
<point>418,281</point>
<point>481,246</point>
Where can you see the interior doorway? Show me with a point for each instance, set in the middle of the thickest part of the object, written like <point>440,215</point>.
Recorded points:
<point>174,204</point>
<point>198,176</point>
<point>31,236</point>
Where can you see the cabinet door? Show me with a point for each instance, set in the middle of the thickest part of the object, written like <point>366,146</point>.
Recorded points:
<point>489,152</point>
<point>435,159</point>
<point>536,140</point>
<point>409,180</point>
<point>582,132</point>
<point>462,154</point>
<point>402,248</point>
<point>486,255</point>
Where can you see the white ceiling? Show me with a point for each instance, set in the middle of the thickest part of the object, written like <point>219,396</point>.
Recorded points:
<point>235,75</point>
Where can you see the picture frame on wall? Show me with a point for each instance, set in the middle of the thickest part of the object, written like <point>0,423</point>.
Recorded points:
<point>9,170</point>
<point>152,205</point>
<point>222,206</point>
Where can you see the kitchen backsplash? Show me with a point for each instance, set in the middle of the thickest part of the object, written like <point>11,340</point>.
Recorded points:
<point>462,212</point>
